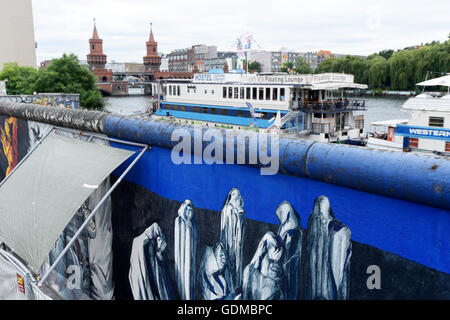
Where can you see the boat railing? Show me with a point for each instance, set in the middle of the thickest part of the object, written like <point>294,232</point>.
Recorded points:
<point>332,106</point>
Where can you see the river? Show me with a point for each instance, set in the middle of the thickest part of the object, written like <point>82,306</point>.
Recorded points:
<point>378,109</point>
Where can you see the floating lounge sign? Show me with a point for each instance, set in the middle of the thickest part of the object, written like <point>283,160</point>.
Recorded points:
<point>423,132</point>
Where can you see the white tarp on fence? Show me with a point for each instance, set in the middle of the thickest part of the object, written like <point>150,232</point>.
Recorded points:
<point>39,199</point>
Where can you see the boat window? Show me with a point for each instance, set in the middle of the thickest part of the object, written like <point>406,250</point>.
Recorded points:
<point>436,122</point>
<point>223,112</point>
<point>206,91</point>
<point>447,146</point>
<point>224,92</point>
<point>213,110</point>
<point>236,92</point>
<point>282,93</point>
<point>178,90</point>
<point>182,108</point>
<point>242,93</point>
<point>254,93</point>
<point>240,113</point>
<point>212,91</point>
<point>248,93</point>
<point>267,93</point>
<point>175,107</point>
<point>275,94</point>
<point>205,110</point>
<point>170,90</point>
<point>261,93</point>
<point>230,92</point>
<point>195,109</point>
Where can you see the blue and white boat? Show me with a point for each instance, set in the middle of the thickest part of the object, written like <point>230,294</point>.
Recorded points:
<point>311,106</point>
<point>427,130</point>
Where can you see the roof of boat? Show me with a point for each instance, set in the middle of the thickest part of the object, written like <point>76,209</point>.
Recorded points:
<point>390,123</point>
<point>427,103</point>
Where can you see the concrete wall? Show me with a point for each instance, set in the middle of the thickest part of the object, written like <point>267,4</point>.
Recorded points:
<point>216,231</point>
<point>17,33</point>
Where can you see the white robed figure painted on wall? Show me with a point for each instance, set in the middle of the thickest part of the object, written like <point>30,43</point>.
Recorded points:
<point>290,233</point>
<point>185,250</point>
<point>232,228</point>
<point>263,277</point>
<point>214,279</point>
<point>329,251</point>
<point>148,276</point>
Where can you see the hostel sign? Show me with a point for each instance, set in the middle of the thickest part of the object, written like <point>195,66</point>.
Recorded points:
<point>423,132</point>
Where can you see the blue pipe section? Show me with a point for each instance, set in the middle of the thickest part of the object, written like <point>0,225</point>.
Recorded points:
<point>412,177</point>
<point>417,178</point>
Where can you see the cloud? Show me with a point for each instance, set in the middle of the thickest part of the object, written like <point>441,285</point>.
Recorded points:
<point>345,26</point>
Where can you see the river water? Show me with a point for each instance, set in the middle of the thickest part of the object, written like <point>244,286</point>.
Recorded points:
<point>378,109</point>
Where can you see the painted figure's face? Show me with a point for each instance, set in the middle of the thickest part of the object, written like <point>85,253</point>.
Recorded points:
<point>324,209</point>
<point>161,244</point>
<point>236,199</point>
<point>220,257</point>
<point>283,211</point>
<point>188,211</point>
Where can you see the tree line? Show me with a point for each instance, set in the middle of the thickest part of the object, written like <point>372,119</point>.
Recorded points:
<point>399,70</point>
<point>387,69</point>
<point>62,75</point>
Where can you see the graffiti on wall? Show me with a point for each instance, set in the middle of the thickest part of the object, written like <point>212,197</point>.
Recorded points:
<point>274,271</point>
<point>71,101</point>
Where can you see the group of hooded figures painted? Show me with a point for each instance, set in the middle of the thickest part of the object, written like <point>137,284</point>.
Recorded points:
<point>273,272</point>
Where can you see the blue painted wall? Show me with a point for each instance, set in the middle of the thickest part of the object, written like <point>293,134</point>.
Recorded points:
<point>413,231</point>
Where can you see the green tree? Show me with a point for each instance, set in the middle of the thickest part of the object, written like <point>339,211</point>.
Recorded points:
<point>66,75</point>
<point>377,72</point>
<point>326,66</point>
<point>386,53</point>
<point>401,66</point>
<point>63,75</point>
<point>254,66</point>
<point>287,67</point>
<point>20,79</point>
<point>302,67</point>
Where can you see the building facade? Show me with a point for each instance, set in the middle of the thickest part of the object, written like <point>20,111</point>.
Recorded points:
<point>17,35</point>
<point>191,59</point>
<point>178,60</point>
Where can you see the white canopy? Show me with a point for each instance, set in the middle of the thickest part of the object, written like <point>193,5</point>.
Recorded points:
<point>441,81</point>
<point>40,197</point>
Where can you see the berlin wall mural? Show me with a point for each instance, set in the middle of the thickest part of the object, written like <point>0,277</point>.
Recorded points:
<point>273,273</point>
<point>71,101</point>
<point>148,244</point>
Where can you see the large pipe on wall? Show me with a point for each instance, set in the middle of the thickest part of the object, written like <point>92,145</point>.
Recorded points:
<point>412,177</point>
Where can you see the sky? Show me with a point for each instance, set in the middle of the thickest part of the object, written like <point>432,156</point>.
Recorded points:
<point>341,26</point>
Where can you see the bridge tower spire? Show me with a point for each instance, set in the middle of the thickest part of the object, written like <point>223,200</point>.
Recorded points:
<point>96,58</point>
<point>152,61</point>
